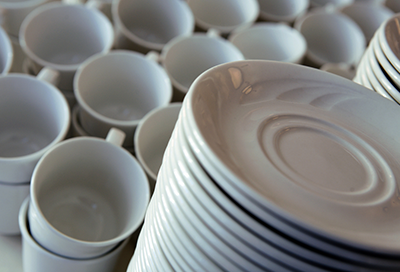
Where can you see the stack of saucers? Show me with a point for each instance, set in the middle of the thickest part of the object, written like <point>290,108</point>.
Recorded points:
<point>276,167</point>
<point>379,68</point>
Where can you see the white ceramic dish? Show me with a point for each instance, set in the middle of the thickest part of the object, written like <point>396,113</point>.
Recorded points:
<point>282,109</point>
<point>388,40</point>
<point>381,77</point>
<point>216,233</point>
<point>373,79</point>
<point>384,62</point>
<point>236,220</point>
<point>363,75</point>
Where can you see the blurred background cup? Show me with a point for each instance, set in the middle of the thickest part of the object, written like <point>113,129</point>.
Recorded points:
<point>185,58</point>
<point>61,36</point>
<point>394,5</point>
<point>35,258</point>
<point>118,89</point>
<point>13,12</point>
<point>34,116</point>
<point>282,10</point>
<point>87,195</point>
<point>331,36</point>
<point>152,136</point>
<point>224,15</point>
<point>369,16</point>
<point>102,5</point>
<point>334,3</point>
<point>340,69</point>
<point>270,41</point>
<point>145,25</point>
<point>6,52</point>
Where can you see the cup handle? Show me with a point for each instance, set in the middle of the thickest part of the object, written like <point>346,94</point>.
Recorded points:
<point>153,56</point>
<point>115,136</point>
<point>50,75</point>
<point>96,4</point>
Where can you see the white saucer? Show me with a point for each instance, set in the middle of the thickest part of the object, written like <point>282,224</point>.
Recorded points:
<point>284,133</point>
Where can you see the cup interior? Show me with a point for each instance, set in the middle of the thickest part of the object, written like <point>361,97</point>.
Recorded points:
<point>155,21</point>
<point>122,86</point>
<point>32,115</point>
<point>90,190</point>
<point>57,34</point>
<point>186,58</point>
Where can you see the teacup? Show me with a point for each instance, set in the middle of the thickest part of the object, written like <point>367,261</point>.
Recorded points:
<point>270,41</point>
<point>118,89</point>
<point>185,58</point>
<point>145,25</point>
<point>60,36</point>
<point>224,15</point>
<point>152,136</point>
<point>12,13</point>
<point>331,36</point>
<point>87,195</point>
<point>282,10</point>
<point>35,258</point>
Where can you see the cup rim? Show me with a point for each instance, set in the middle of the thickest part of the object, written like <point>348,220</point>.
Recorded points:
<point>131,54</point>
<point>128,231</point>
<point>64,130</point>
<point>9,50</point>
<point>56,5</point>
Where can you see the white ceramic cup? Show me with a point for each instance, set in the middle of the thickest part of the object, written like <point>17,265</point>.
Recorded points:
<point>368,16</point>
<point>394,5</point>
<point>331,36</point>
<point>339,69</point>
<point>334,3</point>
<point>11,197</point>
<point>102,5</point>
<point>87,195</point>
<point>185,58</point>
<point>34,116</point>
<point>35,258</point>
<point>282,10</point>
<point>62,36</point>
<point>6,52</point>
<point>144,25</point>
<point>224,15</point>
<point>13,12</point>
<point>152,136</point>
<point>118,89</point>
<point>270,41</point>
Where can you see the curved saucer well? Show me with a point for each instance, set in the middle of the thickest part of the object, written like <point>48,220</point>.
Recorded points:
<point>316,149</point>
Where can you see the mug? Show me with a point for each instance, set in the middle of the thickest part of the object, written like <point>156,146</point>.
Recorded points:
<point>145,25</point>
<point>62,36</point>
<point>87,195</point>
<point>118,89</point>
